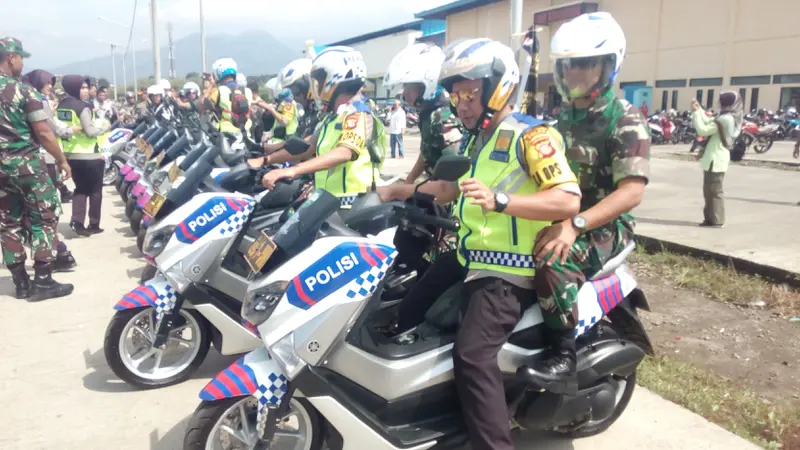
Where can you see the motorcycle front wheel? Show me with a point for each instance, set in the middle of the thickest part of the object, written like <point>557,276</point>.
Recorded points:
<point>136,220</point>
<point>130,206</point>
<point>111,175</point>
<point>129,351</point>
<point>231,423</point>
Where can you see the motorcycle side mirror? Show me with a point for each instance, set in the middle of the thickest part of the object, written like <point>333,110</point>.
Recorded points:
<point>451,167</point>
<point>296,146</point>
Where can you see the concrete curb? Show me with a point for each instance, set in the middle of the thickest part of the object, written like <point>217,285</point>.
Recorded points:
<point>745,160</point>
<point>771,273</point>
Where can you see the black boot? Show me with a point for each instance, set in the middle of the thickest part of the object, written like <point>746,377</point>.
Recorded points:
<point>64,261</point>
<point>21,280</point>
<point>66,195</point>
<point>94,228</point>
<point>555,370</point>
<point>79,229</point>
<point>44,286</point>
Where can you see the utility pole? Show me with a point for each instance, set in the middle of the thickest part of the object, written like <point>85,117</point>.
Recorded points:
<point>114,69</point>
<point>154,32</point>
<point>171,51</point>
<point>202,38</point>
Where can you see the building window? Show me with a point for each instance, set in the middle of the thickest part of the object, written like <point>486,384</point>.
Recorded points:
<point>674,99</point>
<point>757,79</point>
<point>699,96</point>
<point>670,83</point>
<point>710,99</point>
<point>743,96</point>
<point>625,84</point>
<point>754,99</point>
<point>703,82</point>
<point>790,96</point>
<point>785,79</point>
<point>664,96</point>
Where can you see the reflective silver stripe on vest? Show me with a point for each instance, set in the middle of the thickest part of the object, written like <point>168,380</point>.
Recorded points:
<point>517,177</point>
<point>501,258</point>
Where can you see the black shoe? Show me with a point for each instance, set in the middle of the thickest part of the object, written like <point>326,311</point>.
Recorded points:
<point>79,229</point>
<point>45,287</point>
<point>66,196</point>
<point>21,280</point>
<point>64,262</point>
<point>556,372</point>
<point>94,229</point>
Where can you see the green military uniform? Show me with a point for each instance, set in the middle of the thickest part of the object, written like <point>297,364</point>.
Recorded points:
<point>605,144</point>
<point>25,187</point>
<point>440,133</point>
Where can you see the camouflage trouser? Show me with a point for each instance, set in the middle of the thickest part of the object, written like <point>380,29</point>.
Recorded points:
<point>28,203</point>
<point>557,286</point>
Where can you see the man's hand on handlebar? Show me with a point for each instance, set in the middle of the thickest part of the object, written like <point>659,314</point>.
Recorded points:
<point>272,177</point>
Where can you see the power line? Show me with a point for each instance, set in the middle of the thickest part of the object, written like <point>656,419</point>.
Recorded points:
<point>133,23</point>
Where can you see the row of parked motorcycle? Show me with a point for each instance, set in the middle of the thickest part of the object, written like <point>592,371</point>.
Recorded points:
<point>304,290</point>
<point>760,128</point>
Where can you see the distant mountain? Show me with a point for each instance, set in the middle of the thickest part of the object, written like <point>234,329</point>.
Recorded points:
<point>256,53</point>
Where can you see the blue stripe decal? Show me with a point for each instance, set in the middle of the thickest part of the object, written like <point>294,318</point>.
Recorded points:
<point>218,384</point>
<point>236,380</point>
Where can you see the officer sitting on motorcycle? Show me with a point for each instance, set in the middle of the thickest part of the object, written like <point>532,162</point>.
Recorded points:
<point>416,69</point>
<point>520,182</point>
<point>156,107</point>
<point>230,101</point>
<point>349,144</point>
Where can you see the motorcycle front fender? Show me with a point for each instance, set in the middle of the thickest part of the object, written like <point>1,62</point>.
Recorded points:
<point>132,176</point>
<point>157,293</point>
<point>126,169</point>
<point>253,374</point>
<point>143,198</point>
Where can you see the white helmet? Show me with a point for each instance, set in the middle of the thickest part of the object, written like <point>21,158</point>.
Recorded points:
<point>587,41</point>
<point>191,86</point>
<point>272,85</point>
<point>419,63</point>
<point>165,84</point>
<point>155,89</point>
<point>476,59</point>
<point>241,80</point>
<point>296,76</point>
<point>224,67</point>
<point>337,70</point>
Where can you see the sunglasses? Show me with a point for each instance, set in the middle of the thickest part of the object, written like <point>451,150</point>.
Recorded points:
<point>464,95</point>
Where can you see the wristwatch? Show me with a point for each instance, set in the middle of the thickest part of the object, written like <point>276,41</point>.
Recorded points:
<point>500,201</point>
<point>579,222</point>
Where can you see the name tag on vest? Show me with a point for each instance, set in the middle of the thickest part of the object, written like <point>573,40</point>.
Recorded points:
<point>64,116</point>
<point>501,146</point>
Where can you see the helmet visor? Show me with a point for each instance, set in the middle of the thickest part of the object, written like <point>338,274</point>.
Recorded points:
<point>578,77</point>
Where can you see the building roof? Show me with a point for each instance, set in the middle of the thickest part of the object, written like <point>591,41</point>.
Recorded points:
<point>452,8</point>
<point>415,26</point>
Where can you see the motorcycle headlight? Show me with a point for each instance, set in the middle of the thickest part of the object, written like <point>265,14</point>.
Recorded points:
<point>260,303</point>
<point>155,241</point>
<point>285,355</point>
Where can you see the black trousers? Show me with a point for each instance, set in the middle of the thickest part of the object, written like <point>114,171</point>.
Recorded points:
<point>88,177</point>
<point>490,309</point>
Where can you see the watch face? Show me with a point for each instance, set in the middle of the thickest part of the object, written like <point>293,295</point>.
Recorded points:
<point>502,198</point>
<point>579,222</point>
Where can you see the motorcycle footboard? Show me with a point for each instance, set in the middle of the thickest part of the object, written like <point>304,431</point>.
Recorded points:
<point>611,357</point>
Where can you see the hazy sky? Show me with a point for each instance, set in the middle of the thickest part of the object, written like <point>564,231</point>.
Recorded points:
<point>58,32</point>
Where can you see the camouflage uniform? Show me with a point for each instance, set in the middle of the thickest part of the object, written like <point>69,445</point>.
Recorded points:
<point>605,144</point>
<point>440,134</point>
<point>25,187</point>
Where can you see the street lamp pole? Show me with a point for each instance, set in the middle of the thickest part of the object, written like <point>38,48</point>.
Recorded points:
<point>202,38</point>
<point>114,70</point>
<point>154,32</point>
<point>133,56</point>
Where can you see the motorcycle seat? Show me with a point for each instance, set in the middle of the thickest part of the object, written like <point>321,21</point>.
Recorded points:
<point>613,264</point>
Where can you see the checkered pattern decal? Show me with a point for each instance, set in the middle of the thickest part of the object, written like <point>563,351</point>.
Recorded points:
<point>234,223</point>
<point>501,258</point>
<point>366,283</point>
<point>348,201</point>
<point>157,293</point>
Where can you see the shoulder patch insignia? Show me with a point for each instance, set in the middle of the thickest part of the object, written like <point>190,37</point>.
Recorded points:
<point>351,122</point>
<point>541,139</point>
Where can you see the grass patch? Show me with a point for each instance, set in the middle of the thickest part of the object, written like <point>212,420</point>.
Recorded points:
<point>717,281</point>
<point>717,399</point>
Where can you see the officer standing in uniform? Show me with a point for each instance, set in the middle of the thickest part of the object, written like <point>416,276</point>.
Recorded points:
<point>25,187</point>
<point>519,183</point>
